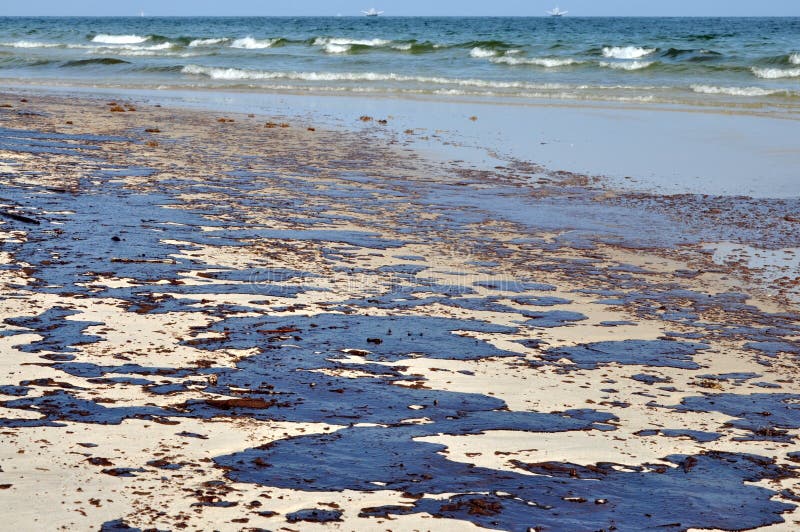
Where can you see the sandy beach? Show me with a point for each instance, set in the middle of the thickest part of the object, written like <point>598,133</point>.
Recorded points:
<point>232,321</point>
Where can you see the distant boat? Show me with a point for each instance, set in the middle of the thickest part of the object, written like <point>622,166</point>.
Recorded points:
<point>556,12</point>
<point>372,12</point>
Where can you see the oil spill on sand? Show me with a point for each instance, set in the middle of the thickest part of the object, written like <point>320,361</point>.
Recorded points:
<point>324,300</point>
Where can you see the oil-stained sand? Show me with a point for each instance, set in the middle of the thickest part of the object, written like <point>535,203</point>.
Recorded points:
<point>212,324</point>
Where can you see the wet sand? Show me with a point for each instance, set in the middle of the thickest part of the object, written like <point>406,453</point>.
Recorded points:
<point>732,150</point>
<point>238,322</point>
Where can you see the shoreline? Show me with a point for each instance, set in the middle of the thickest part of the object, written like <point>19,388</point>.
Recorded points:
<point>335,327</point>
<point>692,151</point>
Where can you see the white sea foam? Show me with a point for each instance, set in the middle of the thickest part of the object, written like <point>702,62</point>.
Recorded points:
<point>482,52</point>
<point>404,47</point>
<point>163,46</point>
<point>632,65</point>
<point>735,91</point>
<point>236,74</point>
<point>795,58</point>
<point>30,44</point>
<point>119,39</point>
<point>776,73</point>
<point>332,48</point>
<point>543,92</point>
<point>146,52</point>
<point>207,42</point>
<point>626,52</point>
<point>86,46</point>
<point>323,41</point>
<point>132,53</point>
<point>231,74</point>
<point>249,43</point>
<point>126,49</point>
<point>547,62</point>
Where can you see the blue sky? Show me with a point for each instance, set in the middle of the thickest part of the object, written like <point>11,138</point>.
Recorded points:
<point>402,7</point>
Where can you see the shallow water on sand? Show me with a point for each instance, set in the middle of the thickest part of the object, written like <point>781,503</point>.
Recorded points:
<point>666,150</point>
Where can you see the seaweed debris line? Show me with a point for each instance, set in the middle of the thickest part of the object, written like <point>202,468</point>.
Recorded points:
<point>201,332</point>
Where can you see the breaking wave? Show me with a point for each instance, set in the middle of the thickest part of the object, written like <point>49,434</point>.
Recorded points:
<point>547,62</point>
<point>237,74</point>
<point>626,52</point>
<point>482,52</point>
<point>776,73</point>
<point>249,43</point>
<point>119,39</point>
<point>163,46</point>
<point>31,44</point>
<point>672,61</point>
<point>337,45</point>
<point>332,48</point>
<point>322,41</point>
<point>207,42</point>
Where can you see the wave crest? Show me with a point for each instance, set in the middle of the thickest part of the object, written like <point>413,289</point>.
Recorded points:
<point>479,52</point>
<point>99,61</point>
<point>30,44</point>
<point>626,52</point>
<point>236,74</point>
<point>323,41</point>
<point>547,62</point>
<point>249,43</point>
<point>776,73</point>
<point>119,39</point>
<point>332,48</point>
<point>207,42</point>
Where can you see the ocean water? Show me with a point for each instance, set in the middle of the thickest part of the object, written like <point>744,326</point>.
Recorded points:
<point>751,63</point>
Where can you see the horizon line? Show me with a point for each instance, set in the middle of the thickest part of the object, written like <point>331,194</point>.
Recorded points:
<point>399,16</point>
